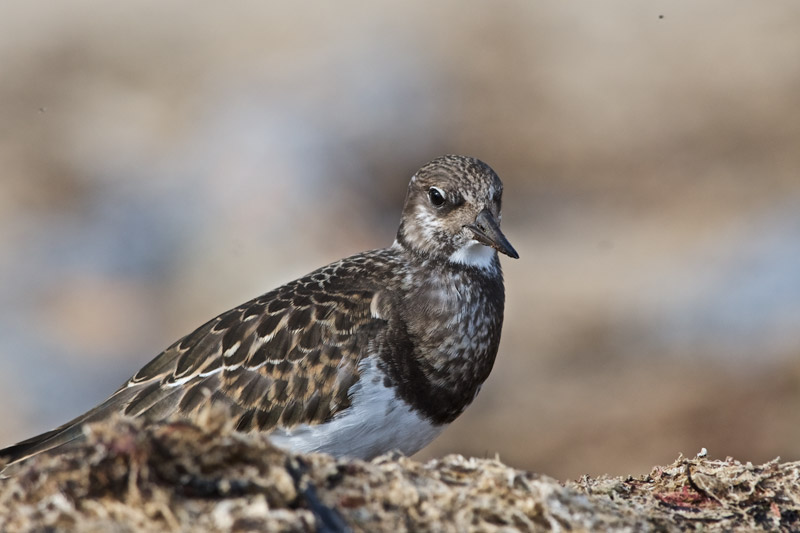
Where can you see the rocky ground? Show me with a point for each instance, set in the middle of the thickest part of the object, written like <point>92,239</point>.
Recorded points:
<point>179,477</point>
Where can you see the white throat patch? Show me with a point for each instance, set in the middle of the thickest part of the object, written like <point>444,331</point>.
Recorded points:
<point>474,254</point>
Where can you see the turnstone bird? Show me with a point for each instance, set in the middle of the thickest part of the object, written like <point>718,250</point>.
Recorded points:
<point>376,352</point>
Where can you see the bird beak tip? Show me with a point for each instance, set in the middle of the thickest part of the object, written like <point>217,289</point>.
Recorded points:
<point>487,231</point>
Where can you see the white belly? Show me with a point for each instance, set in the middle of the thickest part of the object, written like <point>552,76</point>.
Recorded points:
<point>376,422</point>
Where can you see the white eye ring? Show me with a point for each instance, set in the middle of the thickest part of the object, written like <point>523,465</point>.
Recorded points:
<point>437,196</point>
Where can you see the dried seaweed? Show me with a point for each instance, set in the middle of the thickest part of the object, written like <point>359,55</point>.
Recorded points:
<point>180,477</point>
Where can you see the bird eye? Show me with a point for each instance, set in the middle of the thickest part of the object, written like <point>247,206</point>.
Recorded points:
<point>436,196</point>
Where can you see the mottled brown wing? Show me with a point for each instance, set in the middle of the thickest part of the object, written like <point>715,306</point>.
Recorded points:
<point>282,359</point>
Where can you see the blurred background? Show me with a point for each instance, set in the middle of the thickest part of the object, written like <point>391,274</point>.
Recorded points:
<point>163,162</point>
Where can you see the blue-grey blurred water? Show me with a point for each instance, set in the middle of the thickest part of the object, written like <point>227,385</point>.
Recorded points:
<point>743,297</point>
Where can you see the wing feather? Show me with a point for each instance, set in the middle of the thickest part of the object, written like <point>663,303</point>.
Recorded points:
<point>285,358</point>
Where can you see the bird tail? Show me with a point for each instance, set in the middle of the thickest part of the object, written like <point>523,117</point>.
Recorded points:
<point>73,430</point>
<point>49,440</point>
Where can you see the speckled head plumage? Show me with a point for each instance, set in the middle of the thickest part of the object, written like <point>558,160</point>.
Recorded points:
<point>452,212</point>
<point>377,351</point>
